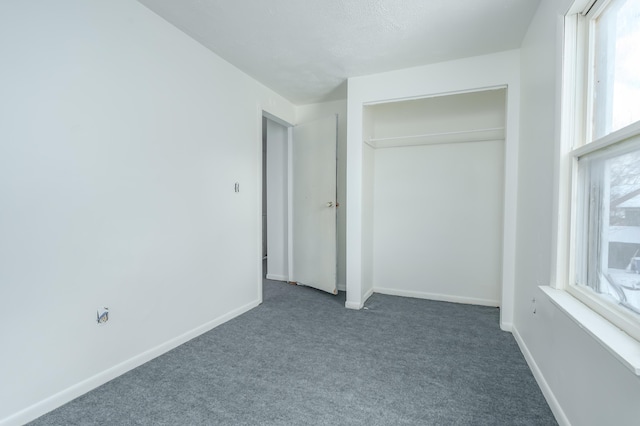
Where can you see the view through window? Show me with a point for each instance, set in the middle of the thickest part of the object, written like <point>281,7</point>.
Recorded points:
<point>607,242</point>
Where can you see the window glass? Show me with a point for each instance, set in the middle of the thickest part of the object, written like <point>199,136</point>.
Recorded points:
<point>610,230</point>
<point>616,100</point>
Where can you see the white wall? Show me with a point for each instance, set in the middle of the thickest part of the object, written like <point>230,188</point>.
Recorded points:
<point>489,71</point>
<point>311,112</point>
<point>121,141</point>
<point>277,202</point>
<point>438,221</point>
<point>583,382</point>
<point>368,223</point>
<point>464,112</point>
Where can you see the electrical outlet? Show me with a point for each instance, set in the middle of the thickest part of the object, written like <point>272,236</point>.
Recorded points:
<point>102,315</point>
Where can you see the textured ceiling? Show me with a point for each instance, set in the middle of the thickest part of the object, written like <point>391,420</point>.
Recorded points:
<point>306,49</point>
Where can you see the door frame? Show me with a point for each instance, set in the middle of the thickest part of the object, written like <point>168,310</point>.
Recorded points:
<point>492,71</point>
<point>262,113</point>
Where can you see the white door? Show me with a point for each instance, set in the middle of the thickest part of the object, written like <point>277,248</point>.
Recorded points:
<point>314,204</point>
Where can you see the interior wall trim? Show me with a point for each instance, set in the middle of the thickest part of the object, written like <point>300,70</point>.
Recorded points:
<point>556,409</point>
<point>436,296</point>
<point>51,403</point>
<point>276,277</point>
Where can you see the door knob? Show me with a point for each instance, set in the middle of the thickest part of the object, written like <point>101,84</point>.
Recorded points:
<point>330,204</point>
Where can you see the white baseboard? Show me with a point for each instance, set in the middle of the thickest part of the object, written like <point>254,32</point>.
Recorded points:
<point>352,305</point>
<point>437,296</point>
<point>275,277</point>
<point>506,326</point>
<point>358,306</point>
<point>556,409</point>
<point>341,287</point>
<point>69,394</point>
<point>367,295</point>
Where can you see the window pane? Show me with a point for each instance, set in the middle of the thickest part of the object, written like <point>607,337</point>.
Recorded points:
<point>617,67</point>
<point>610,233</point>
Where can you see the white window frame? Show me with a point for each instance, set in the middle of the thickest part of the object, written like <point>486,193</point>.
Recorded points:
<point>577,95</point>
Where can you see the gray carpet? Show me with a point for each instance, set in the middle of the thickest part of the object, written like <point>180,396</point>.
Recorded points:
<point>302,358</point>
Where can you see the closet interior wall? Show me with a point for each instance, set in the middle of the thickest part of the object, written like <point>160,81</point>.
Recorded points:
<point>433,178</point>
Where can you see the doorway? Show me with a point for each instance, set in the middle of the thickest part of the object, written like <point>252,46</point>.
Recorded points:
<point>275,204</point>
<point>299,204</point>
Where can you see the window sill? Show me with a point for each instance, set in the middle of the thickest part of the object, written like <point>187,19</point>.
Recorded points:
<point>624,347</point>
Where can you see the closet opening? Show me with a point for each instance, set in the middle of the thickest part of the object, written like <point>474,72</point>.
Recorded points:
<point>433,196</point>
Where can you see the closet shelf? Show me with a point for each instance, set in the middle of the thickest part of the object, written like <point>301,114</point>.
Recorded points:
<point>477,135</point>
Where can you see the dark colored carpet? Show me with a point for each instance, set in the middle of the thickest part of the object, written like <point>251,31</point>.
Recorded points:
<point>302,358</point>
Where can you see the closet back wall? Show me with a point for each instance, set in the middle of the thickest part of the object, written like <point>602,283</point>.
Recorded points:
<point>438,199</point>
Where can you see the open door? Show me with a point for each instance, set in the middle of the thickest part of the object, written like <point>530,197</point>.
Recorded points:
<point>314,204</point>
